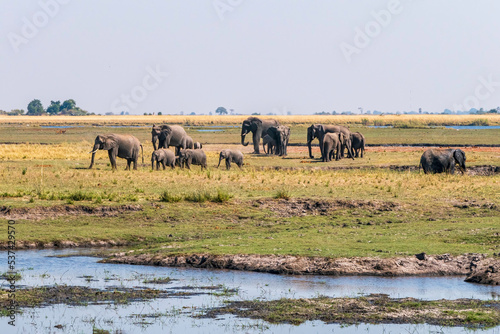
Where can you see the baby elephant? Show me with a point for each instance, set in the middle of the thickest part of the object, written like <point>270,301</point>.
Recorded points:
<point>197,145</point>
<point>195,157</point>
<point>332,142</point>
<point>231,156</point>
<point>163,156</point>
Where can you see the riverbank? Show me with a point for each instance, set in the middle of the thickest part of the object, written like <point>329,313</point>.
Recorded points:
<point>477,267</point>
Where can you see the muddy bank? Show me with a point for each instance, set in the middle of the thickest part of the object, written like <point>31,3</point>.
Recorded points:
<point>42,212</point>
<point>294,207</point>
<point>486,272</point>
<point>418,265</point>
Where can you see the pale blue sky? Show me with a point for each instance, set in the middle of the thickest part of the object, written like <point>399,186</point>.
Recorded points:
<point>250,55</point>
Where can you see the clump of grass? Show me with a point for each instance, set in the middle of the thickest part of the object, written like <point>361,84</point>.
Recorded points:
<point>80,196</point>
<point>11,276</point>
<point>282,194</point>
<point>198,197</point>
<point>24,170</point>
<point>166,196</point>
<point>221,196</point>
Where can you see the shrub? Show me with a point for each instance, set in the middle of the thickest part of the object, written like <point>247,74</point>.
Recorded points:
<point>221,196</point>
<point>168,197</point>
<point>282,194</point>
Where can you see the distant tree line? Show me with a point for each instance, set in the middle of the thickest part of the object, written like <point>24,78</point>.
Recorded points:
<point>35,108</point>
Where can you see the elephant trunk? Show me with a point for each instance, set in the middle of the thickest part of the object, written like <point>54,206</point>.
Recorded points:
<point>92,161</point>
<point>243,139</point>
<point>153,140</point>
<point>94,149</point>
<point>309,141</point>
<point>220,159</point>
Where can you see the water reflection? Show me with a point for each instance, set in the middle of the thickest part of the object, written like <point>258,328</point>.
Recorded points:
<point>174,315</point>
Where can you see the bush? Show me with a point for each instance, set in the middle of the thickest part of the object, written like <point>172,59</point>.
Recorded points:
<point>168,197</point>
<point>282,194</point>
<point>221,197</point>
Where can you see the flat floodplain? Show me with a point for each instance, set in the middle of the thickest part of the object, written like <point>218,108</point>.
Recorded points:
<point>274,205</point>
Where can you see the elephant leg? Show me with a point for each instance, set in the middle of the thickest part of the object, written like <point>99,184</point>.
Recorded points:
<point>228,164</point>
<point>134,161</point>
<point>112,159</point>
<point>163,164</point>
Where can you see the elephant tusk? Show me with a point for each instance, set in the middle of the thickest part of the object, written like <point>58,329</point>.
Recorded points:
<point>93,151</point>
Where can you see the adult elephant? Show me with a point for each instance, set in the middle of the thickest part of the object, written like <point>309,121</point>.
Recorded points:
<point>319,131</point>
<point>332,144</point>
<point>190,157</point>
<point>258,127</point>
<point>231,156</point>
<point>280,134</point>
<point>121,146</point>
<point>442,161</point>
<point>171,135</point>
<point>358,143</point>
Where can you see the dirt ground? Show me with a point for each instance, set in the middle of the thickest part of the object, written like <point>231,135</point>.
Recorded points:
<point>418,265</point>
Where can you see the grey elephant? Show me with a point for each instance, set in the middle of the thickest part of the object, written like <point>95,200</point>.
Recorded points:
<point>332,142</point>
<point>358,144</point>
<point>197,145</point>
<point>270,143</point>
<point>258,127</point>
<point>121,146</point>
<point>163,157</point>
<point>319,131</point>
<point>231,156</point>
<point>171,135</point>
<point>281,135</point>
<point>442,161</point>
<point>190,157</point>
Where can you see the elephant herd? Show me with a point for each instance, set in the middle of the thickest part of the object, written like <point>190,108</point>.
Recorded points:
<point>334,140</point>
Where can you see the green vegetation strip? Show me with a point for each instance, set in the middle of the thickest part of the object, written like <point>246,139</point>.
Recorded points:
<point>77,295</point>
<point>374,309</point>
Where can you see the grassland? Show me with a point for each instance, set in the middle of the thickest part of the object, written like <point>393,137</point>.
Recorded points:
<point>384,213</point>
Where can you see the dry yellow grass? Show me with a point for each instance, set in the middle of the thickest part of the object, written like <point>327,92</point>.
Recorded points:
<point>414,120</point>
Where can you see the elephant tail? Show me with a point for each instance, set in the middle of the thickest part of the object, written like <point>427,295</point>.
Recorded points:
<point>142,153</point>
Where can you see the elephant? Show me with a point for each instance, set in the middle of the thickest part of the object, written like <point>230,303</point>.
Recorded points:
<point>171,135</point>
<point>268,141</point>
<point>258,127</point>
<point>332,142</point>
<point>358,143</point>
<point>197,145</point>
<point>281,135</point>
<point>163,156</point>
<point>123,146</point>
<point>442,161</point>
<point>231,156</point>
<point>319,131</point>
<point>195,157</point>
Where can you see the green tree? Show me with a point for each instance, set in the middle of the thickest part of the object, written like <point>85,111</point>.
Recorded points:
<point>69,104</point>
<point>54,107</point>
<point>35,107</point>
<point>221,111</point>
<point>15,112</point>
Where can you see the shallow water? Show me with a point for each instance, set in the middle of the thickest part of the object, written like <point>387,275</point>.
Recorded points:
<point>473,127</point>
<point>37,269</point>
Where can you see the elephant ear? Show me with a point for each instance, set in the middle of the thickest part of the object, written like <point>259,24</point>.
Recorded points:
<point>109,143</point>
<point>459,156</point>
<point>272,131</point>
<point>255,124</point>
